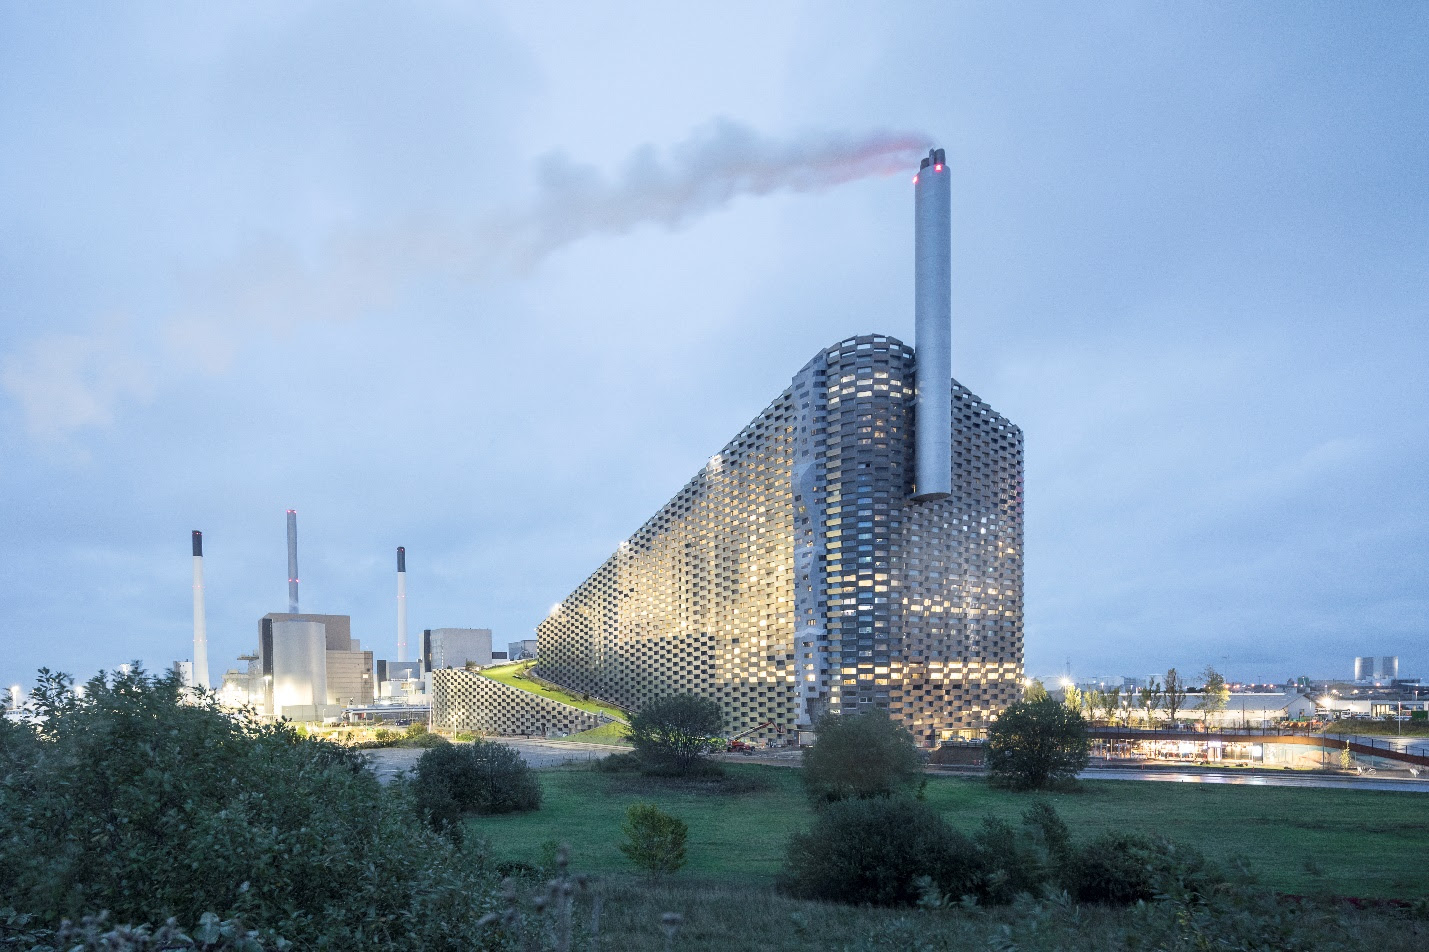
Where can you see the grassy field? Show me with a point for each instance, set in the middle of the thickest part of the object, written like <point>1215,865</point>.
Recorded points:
<point>1296,840</point>
<point>612,733</point>
<point>515,676</point>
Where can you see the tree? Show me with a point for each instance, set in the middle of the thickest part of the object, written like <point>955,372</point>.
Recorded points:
<point>1150,698</point>
<point>1215,695</point>
<point>877,851</point>
<point>1111,703</point>
<point>144,798</point>
<point>674,734</point>
<point>1037,744</point>
<point>1036,690</point>
<point>860,756</point>
<point>1073,698</point>
<point>1174,694</point>
<point>654,840</point>
<point>480,777</point>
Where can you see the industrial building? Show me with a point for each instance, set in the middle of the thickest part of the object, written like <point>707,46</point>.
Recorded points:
<point>457,648</point>
<point>311,662</point>
<point>858,545</point>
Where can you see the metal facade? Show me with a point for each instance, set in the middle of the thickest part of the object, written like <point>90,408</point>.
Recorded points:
<point>795,575</point>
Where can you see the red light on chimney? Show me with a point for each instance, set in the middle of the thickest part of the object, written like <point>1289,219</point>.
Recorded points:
<point>915,180</point>
<point>937,168</point>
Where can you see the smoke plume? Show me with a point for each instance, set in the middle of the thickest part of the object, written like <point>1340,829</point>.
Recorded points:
<point>272,288</point>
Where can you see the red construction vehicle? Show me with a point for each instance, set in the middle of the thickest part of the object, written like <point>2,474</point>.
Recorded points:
<point>737,745</point>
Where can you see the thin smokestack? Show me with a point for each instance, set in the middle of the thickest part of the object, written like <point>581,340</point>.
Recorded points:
<point>933,329</point>
<point>292,561</point>
<point>401,603</point>
<point>200,621</point>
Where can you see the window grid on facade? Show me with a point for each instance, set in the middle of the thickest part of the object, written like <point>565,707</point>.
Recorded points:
<point>794,575</point>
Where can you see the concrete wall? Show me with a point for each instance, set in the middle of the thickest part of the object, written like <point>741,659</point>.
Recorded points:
<point>454,647</point>
<point>466,701</point>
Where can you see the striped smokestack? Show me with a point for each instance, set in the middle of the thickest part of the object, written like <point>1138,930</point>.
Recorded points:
<point>933,329</point>
<point>292,561</point>
<point>401,603</point>
<point>200,674</point>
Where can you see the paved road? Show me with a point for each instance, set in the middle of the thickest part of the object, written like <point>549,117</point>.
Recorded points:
<point>389,762</point>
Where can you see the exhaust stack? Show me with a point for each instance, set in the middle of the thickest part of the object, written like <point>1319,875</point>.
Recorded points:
<point>933,329</point>
<point>200,674</point>
<point>293,562</point>
<point>401,603</point>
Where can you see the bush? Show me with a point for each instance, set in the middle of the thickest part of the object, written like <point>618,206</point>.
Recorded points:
<point>860,755</point>
<point>1035,745</point>
<point>674,734</point>
<point>481,777</point>
<point>654,840</point>
<point>1123,868</point>
<point>141,800</point>
<point>877,851</point>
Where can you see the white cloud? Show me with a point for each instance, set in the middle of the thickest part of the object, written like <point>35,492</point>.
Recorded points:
<point>64,382</point>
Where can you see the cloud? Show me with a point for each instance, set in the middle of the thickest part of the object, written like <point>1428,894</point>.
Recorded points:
<point>66,382</point>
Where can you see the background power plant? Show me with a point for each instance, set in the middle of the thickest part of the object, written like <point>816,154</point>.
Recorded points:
<point>308,667</point>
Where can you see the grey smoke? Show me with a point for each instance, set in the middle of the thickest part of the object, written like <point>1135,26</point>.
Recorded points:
<point>273,289</point>
<point>702,174</point>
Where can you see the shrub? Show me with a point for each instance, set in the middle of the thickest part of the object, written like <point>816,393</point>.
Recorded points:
<point>877,851</point>
<point>861,755</point>
<point>674,734</point>
<point>1123,868</point>
<point>141,800</point>
<point>1035,745</point>
<point>481,777</point>
<point>654,840</point>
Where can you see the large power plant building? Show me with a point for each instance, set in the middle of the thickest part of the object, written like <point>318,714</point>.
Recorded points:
<point>857,545</point>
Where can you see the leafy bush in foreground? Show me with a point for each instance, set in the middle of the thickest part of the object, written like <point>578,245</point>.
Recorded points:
<point>481,777</point>
<point>860,755</point>
<point>876,851</point>
<point>138,800</point>
<point>654,840</point>
<point>1123,868</point>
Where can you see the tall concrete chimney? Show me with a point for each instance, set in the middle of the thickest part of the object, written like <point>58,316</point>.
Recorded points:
<point>292,561</point>
<point>200,622</point>
<point>933,329</point>
<point>401,603</point>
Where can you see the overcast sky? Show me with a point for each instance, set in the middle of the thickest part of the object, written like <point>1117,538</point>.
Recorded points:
<point>252,258</point>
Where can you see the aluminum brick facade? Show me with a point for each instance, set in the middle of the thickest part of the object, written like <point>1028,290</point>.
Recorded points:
<point>794,575</point>
<point>466,701</point>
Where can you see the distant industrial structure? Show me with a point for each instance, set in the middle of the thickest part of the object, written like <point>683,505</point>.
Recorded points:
<point>458,648</point>
<point>308,667</point>
<point>199,674</point>
<point>1383,670</point>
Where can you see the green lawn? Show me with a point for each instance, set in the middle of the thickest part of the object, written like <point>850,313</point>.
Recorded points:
<point>515,676</point>
<point>1298,840</point>
<point>613,733</point>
